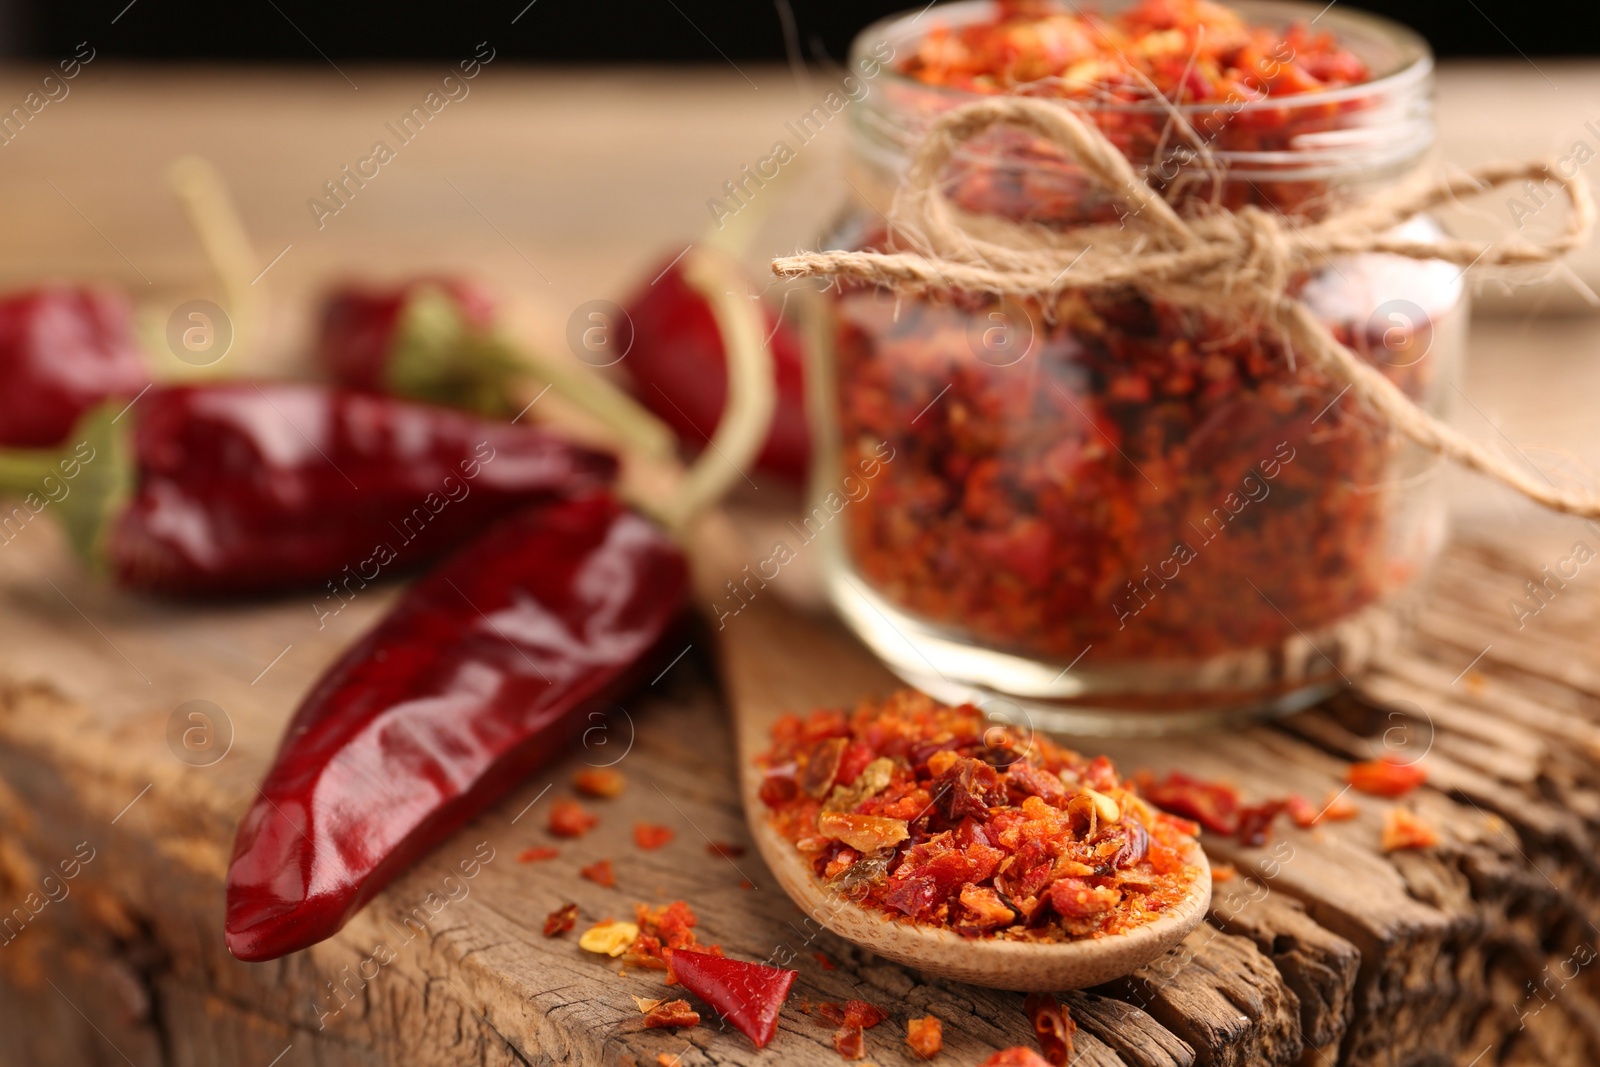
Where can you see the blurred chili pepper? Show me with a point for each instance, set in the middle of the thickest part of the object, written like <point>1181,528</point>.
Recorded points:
<point>438,340</point>
<point>474,679</point>
<point>245,488</point>
<point>62,351</point>
<point>375,339</point>
<point>679,372</point>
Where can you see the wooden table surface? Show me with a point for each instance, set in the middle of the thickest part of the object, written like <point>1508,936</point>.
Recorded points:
<point>561,187</point>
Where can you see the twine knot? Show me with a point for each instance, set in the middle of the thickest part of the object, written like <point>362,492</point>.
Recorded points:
<point>1240,264</point>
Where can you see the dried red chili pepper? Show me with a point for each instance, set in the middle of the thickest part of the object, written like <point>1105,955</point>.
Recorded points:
<point>850,1042</point>
<point>678,370</point>
<point>63,350</point>
<point>561,920</point>
<point>1386,777</point>
<point>1053,1027</point>
<point>537,854</point>
<point>477,676</point>
<point>600,872</point>
<point>748,995</point>
<point>675,1014</point>
<point>236,488</point>
<point>391,340</point>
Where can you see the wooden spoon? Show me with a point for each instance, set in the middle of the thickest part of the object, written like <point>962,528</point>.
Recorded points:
<point>774,659</point>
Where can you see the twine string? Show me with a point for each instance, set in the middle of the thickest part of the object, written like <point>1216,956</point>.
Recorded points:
<point>1239,264</point>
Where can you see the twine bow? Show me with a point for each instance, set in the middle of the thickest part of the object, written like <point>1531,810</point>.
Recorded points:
<point>1238,263</point>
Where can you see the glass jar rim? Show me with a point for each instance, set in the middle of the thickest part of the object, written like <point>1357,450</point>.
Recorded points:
<point>1413,71</point>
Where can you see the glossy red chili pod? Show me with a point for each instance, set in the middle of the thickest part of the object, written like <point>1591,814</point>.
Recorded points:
<point>474,679</point>
<point>424,339</point>
<point>63,350</point>
<point>242,488</point>
<point>748,995</point>
<point>678,370</point>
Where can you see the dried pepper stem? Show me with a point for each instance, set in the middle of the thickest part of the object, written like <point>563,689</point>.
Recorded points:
<point>751,395</point>
<point>203,193</point>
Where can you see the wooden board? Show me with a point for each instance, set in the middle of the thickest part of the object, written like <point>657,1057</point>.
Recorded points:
<point>1327,951</point>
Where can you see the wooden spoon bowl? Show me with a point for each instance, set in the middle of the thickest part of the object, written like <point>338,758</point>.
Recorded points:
<point>775,658</point>
<point>999,964</point>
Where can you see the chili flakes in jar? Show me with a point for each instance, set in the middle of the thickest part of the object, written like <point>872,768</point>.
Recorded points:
<point>934,815</point>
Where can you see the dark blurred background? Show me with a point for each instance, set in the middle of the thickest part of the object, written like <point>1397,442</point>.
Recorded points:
<point>625,30</point>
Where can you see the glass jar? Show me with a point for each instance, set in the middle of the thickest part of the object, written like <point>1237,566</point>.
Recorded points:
<point>1113,514</point>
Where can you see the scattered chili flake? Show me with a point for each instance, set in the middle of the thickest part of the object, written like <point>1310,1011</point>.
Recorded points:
<point>745,883</point>
<point>646,1006</point>
<point>925,1036</point>
<point>726,849</point>
<point>852,1013</point>
<point>601,782</point>
<point>561,920</point>
<point>824,962</point>
<point>649,835</point>
<point>850,1042</point>
<point>568,819</point>
<point>668,1059</point>
<point>1255,822</point>
<point>1214,805</point>
<point>600,872</point>
<point>537,854</point>
<point>1053,1027</point>
<point>957,822</point>
<point>1404,829</point>
<point>1336,807</point>
<point>1016,1056</point>
<point>672,1014</point>
<point>1223,872</point>
<point>1386,777</point>
<point>610,938</point>
<point>748,995</point>
<point>662,930</point>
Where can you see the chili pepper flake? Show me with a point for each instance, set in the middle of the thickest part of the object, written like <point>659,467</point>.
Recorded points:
<point>651,835</point>
<point>852,1013</point>
<point>1386,777</point>
<point>663,930</point>
<point>1214,805</point>
<point>925,1036</point>
<point>537,854</point>
<point>1255,822</point>
<point>609,938</point>
<point>1053,1027</point>
<point>850,1042</point>
<point>561,920</point>
<point>1404,829</point>
<point>748,995</point>
<point>726,849</point>
<point>824,962</point>
<point>1336,807</point>
<point>745,883</point>
<point>672,1014</point>
<point>668,1059</point>
<point>569,819</point>
<point>600,872</point>
<point>602,782</point>
<point>1016,1056</point>
<point>976,828</point>
<point>646,1006</point>
<point>1223,872</point>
